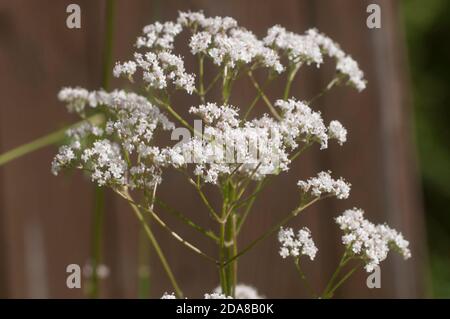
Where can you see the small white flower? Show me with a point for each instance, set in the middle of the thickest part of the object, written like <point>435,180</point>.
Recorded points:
<point>158,70</point>
<point>127,68</point>
<point>168,296</point>
<point>324,184</point>
<point>372,242</point>
<point>159,36</point>
<point>311,48</point>
<point>300,123</point>
<point>216,295</point>
<point>64,157</point>
<point>337,131</point>
<point>350,68</point>
<point>295,246</point>
<point>200,42</point>
<point>105,164</point>
<point>243,291</point>
<point>76,98</point>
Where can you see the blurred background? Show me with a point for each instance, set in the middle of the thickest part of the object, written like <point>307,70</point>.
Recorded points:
<point>426,26</point>
<point>396,157</point>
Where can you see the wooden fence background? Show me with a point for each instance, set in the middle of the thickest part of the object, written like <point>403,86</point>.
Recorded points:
<point>45,221</point>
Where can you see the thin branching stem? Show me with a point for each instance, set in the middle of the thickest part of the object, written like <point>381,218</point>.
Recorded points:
<point>177,116</point>
<point>346,256</point>
<point>255,100</point>
<point>47,140</point>
<point>290,78</point>
<point>304,278</point>
<point>208,233</point>
<point>264,97</point>
<point>156,246</point>
<point>206,202</point>
<point>127,197</point>
<point>342,281</point>
<point>336,80</point>
<point>201,90</point>
<point>273,229</point>
<point>213,82</point>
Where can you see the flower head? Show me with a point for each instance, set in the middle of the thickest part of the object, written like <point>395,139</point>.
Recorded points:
<point>324,184</point>
<point>371,242</point>
<point>243,291</point>
<point>295,246</point>
<point>168,296</point>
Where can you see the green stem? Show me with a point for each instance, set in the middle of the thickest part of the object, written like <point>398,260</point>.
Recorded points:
<point>225,93</point>
<point>264,97</point>
<point>273,229</point>
<point>213,82</point>
<point>342,263</point>
<point>156,246</point>
<point>177,116</point>
<point>299,152</point>
<point>144,267</point>
<point>260,186</point>
<point>303,277</point>
<point>289,81</point>
<point>255,100</point>
<point>336,80</point>
<point>46,140</point>
<point>233,252</point>
<point>222,275</point>
<point>207,232</point>
<point>167,228</point>
<point>108,48</point>
<point>206,202</point>
<point>227,253</point>
<point>37,144</point>
<point>344,279</point>
<point>201,73</point>
<point>248,207</point>
<point>99,208</point>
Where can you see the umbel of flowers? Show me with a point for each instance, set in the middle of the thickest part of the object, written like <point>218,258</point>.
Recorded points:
<point>235,151</point>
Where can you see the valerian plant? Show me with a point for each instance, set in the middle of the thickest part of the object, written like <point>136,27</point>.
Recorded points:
<point>232,151</point>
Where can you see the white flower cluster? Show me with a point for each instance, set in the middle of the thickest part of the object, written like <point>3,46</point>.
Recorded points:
<point>350,68</point>
<point>213,25</point>
<point>158,69</point>
<point>105,163</point>
<point>310,48</point>
<point>226,43</point>
<point>63,158</point>
<point>254,149</point>
<point>219,116</point>
<point>216,295</point>
<point>371,241</point>
<point>298,48</point>
<point>76,97</point>
<point>243,291</point>
<point>130,122</point>
<point>295,246</point>
<point>337,131</point>
<point>300,122</point>
<point>260,146</point>
<point>324,184</point>
<point>166,295</point>
<point>159,36</point>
